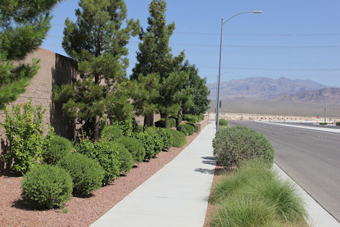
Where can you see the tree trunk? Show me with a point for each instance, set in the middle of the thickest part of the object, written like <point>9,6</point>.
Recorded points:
<point>177,119</point>
<point>146,121</point>
<point>96,129</point>
<point>166,121</point>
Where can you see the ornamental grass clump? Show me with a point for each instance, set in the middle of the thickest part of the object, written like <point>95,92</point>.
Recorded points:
<point>253,195</point>
<point>46,186</point>
<point>86,173</point>
<point>234,145</point>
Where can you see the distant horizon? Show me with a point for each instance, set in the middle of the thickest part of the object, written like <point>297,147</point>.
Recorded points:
<point>276,79</point>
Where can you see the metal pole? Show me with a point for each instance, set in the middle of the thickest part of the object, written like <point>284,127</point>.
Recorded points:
<point>219,83</point>
<point>325,111</point>
<point>335,114</point>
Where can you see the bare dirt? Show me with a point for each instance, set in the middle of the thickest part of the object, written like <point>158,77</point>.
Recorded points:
<point>78,211</point>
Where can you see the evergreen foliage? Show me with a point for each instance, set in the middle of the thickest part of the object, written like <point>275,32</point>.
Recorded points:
<point>111,132</point>
<point>200,92</point>
<point>46,186</point>
<point>22,30</point>
<point>124,157</point>
<point>97,41</point>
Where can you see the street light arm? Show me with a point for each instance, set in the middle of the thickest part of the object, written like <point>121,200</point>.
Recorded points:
<point>241,13</point>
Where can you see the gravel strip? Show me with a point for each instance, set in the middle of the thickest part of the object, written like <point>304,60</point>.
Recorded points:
<point>78,211</point>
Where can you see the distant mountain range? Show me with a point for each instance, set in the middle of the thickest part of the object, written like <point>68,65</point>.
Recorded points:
<point>266,88</point>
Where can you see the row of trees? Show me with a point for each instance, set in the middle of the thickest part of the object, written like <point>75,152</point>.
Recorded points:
<point>97,41</point>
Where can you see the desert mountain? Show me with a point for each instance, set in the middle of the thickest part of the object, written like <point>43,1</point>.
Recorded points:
<point>330,94</point>
<point>261,88</point>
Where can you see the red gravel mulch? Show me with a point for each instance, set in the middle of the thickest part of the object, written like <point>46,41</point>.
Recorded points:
<point>78,211</point>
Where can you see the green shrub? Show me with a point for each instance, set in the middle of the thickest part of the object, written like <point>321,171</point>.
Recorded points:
<point>58,147</point>
<point>138,129</point>
<point>161,123</point>
<point>104,154</point>
<point>152,142</point>
<point>338,123</point>
<point>158,140</point>
<point>191,118</point>
<point>46,186</point>
<point>111,133</point>
<point>178,138</point>
<point>196,128</point>
<point>127,126</point>
<point>86,173</point>
<point>237,144</point>
<point>147,141</point>
<point>24,132</point>
<point>201,117</point>
<point>135,148</point>
<point>223,122</point>
<point>166,136</point>
<point>183,130</point>
<point>188,129</point>
<point>124,157</point>
<point>175,117</point>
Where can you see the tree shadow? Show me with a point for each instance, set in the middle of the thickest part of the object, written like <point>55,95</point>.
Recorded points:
<point>209,160</point>
<point>205,171</point>
<point>64,72</point>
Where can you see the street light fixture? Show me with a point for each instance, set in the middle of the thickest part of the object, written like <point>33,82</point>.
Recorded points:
<point>219,70</point>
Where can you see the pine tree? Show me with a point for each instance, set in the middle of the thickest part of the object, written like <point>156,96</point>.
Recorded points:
<point>200,91</point>
<point>97,41</point>
<point>154,56</point>
<point>23,27</point>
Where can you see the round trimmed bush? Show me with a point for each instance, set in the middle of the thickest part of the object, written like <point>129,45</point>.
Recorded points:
<point>166,137</point>
<point>191,118</point>
<point>58,147</point>
<point>135,148</point>
<point>46,186</point>
<point>188,129</point>
<point>223,122</point>
<point>124,157</point>
<point>234,145</point>
<point>111,132</point>
<point>158,141</point>
<point>196,129</point>
<point>86,173</point>
<point>183,130</point>
<point>104,154</point>
<point>178,138</point>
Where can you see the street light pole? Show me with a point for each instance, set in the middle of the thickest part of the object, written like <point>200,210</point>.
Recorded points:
<point>219,68</point>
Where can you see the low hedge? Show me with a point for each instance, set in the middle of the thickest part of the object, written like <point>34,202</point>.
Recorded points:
<point>135,148</point>
<point>237,144</point>
<point>46,186</point>
<point>178,138</point>
<point>166,137</point>
<point>191,118</point>
<point>86,173</point>
<point>58,147</point>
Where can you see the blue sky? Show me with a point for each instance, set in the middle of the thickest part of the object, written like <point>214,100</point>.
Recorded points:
<point>297,39</point>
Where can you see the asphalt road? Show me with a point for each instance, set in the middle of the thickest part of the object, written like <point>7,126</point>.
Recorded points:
<point>311,158</point>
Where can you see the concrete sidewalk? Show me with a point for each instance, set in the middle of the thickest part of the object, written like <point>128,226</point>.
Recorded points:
<point>177,195</point>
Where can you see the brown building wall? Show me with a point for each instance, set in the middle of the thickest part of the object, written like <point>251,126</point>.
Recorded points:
<point>54,68</point>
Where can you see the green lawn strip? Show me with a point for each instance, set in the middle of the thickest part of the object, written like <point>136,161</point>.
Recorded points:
<point>253,195</point>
